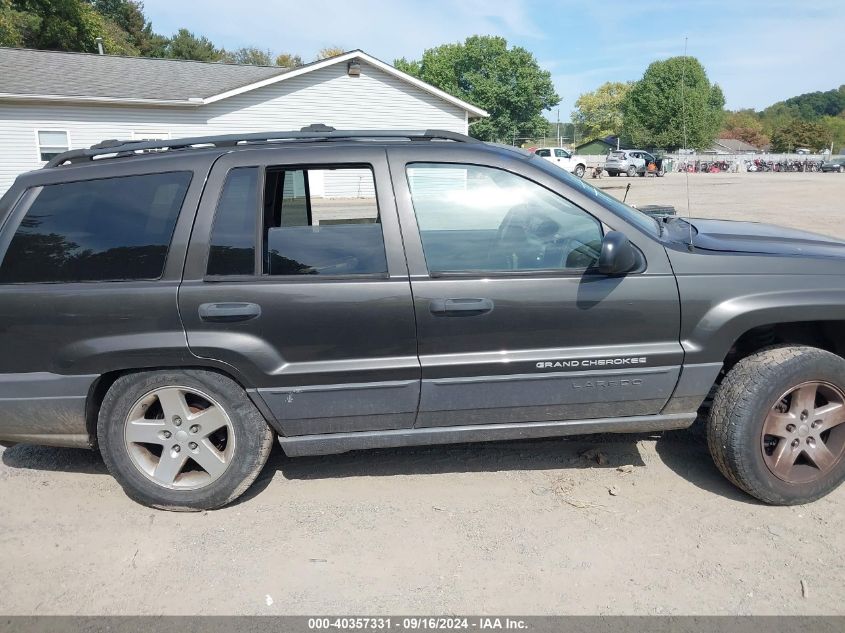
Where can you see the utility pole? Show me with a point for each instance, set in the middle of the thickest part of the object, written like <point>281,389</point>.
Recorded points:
<point>558,128</point>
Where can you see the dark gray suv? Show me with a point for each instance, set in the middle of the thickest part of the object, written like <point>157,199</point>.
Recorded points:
<point>178,304</point>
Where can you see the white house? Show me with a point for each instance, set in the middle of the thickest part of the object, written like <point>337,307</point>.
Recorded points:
<point>53,101</point>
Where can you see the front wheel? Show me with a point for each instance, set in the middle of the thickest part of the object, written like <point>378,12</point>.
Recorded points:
<point>776,425</point>
<point>182,440</point>
<point>579,171</point>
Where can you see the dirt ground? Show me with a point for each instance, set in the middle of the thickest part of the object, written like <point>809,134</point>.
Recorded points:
<point>596,525</point>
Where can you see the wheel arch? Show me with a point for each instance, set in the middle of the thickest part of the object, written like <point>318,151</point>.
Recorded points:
<point>738,321</point>
<point>100,387</point>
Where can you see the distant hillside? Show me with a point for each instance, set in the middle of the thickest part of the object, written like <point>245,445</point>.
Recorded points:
<point>813,105</point>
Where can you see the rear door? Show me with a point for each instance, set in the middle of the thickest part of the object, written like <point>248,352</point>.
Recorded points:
<point>296,281</point>
<point>515,324</point>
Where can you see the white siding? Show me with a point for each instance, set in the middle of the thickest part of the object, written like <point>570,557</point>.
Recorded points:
<point>375,100</point>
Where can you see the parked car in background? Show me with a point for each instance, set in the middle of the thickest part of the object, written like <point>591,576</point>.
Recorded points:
<point>562,157</point>
<point>837,163</point>
<point>632,162</point>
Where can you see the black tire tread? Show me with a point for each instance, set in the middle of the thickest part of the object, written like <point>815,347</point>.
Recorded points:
<point>220,387</point>
<point>733,408</point>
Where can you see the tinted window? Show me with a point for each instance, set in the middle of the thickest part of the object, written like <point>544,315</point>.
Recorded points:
<point>232,249</point>
<point>97,230</point>
<point>474,218</point>
<point>322,221</point>
<point>544,152</point>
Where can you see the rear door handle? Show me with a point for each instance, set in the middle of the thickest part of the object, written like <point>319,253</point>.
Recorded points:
<point>229,312</point>
<point>460,307</point>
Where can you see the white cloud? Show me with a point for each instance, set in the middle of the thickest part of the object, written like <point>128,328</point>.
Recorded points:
<point>383,28</point>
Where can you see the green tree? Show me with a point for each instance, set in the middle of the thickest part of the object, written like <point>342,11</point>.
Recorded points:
<point>330,51</point>
<point>655,111</point>
<point>288,60</point>
<point>599,113</point>
<point>17,28</point>
<point>797,133</point>
<point>129,16</point>
<point>186,45</point>
<point>744,125</point>
<point>835,126</point>
<point>249,55</point>
<point>508,83</point>
<point>62,25</point>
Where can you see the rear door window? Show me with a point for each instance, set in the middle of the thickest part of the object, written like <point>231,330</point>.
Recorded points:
<point>313,221</point>
<point>110,229</point>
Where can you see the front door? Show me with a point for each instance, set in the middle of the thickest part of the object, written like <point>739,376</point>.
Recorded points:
<point>514,322</point>
<point>296,281</point>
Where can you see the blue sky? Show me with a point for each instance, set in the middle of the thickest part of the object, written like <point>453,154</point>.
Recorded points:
<point>759,52</point>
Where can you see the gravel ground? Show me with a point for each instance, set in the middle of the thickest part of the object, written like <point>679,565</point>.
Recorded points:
<point>596,525</point>
<point>812,202</point>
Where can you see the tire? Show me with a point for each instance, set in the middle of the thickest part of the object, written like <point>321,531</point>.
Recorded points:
<point>632,171</point>
<point>763,391</point>
<point>579,171</point>
<point>234,443</point>
<point>661,173</point>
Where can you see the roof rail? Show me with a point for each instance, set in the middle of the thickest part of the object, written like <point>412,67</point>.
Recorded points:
<point>314,132</point>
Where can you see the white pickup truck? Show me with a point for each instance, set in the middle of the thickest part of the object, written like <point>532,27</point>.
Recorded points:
<point>563,158</point>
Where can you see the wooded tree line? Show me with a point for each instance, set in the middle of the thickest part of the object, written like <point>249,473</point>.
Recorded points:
<point>651,113</point>
<point>75,25</point>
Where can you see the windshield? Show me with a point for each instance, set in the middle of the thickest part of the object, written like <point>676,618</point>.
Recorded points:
<point>629,214</point>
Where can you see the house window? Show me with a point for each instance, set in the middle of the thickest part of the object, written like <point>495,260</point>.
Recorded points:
<point>51,143</point>
<point>150,136</point>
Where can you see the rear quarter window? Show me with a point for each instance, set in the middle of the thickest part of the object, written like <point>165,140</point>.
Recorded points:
<point>109,229</point>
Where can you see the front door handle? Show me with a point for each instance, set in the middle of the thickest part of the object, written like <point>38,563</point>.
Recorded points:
<point>229,312</point>
<point>460,307</point>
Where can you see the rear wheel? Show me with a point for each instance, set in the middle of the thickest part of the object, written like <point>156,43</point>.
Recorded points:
<point>579,171</point>
<point>777,425</point>
<point>632,171</point>
<point>182,440</point>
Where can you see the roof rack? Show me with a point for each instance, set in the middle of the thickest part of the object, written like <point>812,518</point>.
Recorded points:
<point>316,132</point>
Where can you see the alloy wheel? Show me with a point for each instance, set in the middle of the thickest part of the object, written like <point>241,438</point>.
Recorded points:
<point>803,435</point>
<point>179,438</point>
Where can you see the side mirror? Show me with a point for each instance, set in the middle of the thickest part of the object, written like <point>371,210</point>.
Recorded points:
<point>617,255</point>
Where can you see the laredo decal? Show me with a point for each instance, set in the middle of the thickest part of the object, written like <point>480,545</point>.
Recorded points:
<point>592,362</point>
<point>597,384</point>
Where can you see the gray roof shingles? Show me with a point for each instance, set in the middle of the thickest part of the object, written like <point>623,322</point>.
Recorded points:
<point>32,72</point>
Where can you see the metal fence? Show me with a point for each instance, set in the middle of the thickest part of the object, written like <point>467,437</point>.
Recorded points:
<point>732,162</point>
